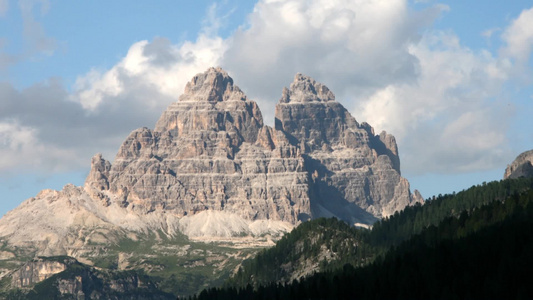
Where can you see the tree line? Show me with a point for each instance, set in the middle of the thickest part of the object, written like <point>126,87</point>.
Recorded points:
<point>475,244</point>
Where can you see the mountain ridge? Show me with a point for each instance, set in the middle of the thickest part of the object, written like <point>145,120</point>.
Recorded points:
<point>210,151</point>
<point>213,171</point>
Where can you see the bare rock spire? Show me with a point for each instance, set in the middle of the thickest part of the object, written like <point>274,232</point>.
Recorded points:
<point>306,89</point>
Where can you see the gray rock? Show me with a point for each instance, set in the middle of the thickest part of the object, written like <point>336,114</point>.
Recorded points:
<point>36,271</point>
<point>355,173</point>
<point>212,169</point>
<point>211,151</point>
<point>522,166</point>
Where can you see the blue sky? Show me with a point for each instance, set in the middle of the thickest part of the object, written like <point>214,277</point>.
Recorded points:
<point>450,79</point>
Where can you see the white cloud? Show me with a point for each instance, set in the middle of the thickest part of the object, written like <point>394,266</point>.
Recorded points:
<point>55,130</point>
<point>519,37</point>
<point>355,47</point>
<point>439,98</point>
<point>450,120</point>
<point>159,65</point>
<point>21,149</point>
<point>419,87</point>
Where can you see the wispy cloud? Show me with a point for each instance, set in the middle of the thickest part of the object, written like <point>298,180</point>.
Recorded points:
<point>33,31</point>
<point>36,41</point>
<point>4,7</point>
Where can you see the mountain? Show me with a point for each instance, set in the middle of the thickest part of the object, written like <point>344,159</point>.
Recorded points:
<point>354,174</point>
<point>211,168</point>
<point>522,166</point>
<point>212,171</point>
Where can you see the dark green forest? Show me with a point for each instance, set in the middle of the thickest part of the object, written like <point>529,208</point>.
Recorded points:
<point>305,242</point>
<point>476,244</point>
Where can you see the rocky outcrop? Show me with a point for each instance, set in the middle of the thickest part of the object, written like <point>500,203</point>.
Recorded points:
<point>522,166</point>
<point>74,280</point>
<point>36,271</point>
<point>212,168</point>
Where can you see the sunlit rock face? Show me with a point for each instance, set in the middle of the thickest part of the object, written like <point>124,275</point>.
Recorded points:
<point>355,174</point>
<point>210,151</point>
<point>212,168</point>
<point>522,166</point>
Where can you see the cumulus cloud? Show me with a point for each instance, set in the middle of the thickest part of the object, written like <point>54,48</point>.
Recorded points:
<point>452,119</point>
<point>353,46</point>
<point>40,130</point>
<point>519,37</point>
<point>389,68</point>
<point>159,67</point>
<point>440,99</point>
<point>50,129</point>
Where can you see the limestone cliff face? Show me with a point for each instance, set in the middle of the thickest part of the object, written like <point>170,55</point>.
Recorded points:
<point>210,151</point>
<point>355,173</point>
<point>82,281</point>
<point>36,271</point>
<point>522,166</point>
<point>211,168</point>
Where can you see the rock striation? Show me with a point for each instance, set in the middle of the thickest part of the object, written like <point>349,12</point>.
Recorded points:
<point>355,174</point>
<point>210,152</point>
<point>212,169</point>
<point>522,166</point>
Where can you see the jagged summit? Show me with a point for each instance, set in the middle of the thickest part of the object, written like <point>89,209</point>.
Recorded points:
<point>214,85</point>
<point>211,169</point>
<point>308,112</point>
<point>522,166</point>
<point>211,102</point>
<point>306,89</point>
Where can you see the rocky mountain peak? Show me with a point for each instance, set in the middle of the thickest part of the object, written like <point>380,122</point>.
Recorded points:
<point>211,169</point>
<point>522,166</point>
<point>99,174</point>
<point>306,89</point>
<point>214,85</point>
<point>211,102</point>
<point>308,112</point>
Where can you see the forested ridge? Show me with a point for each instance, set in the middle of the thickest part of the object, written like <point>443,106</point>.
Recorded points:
<point>476,244</point>
<point>329,243</point>
<point>413,219</point>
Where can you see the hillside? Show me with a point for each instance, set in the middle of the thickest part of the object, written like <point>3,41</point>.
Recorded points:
<point>70,279</point>
<point>175,265</point>
<point>481,251</point>
<point>321,244</point>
